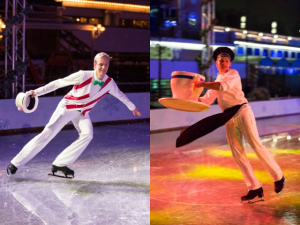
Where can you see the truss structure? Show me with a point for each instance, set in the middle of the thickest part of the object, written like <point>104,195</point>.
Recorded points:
<point>208,14</point>
<point>16,51</point>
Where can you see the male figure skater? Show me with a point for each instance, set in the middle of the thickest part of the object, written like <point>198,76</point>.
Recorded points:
<point>89,88</point>
<point>227,88</point>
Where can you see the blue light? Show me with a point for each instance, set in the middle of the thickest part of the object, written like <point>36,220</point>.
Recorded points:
<point>240,51</point>
<point>192,16</point>
<point>173,23</point>
<point>192,19</point>
<point>279,54</point>
<point>265,52</point>
<point>290,71</point>
<point>272,53</point>
<point>167,23</point>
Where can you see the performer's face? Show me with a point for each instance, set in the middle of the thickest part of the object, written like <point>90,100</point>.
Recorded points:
<point>101,66</point>
<point>223,64</point>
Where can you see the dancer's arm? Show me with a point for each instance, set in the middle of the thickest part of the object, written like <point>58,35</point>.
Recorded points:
<point>116,92</point>
<point>208,85</point>
<point>72,79</point>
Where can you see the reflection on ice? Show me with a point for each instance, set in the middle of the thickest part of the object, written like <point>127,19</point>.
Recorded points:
<point>111,185</point>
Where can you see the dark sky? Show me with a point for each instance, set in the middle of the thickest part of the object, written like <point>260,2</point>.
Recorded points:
<point>260,14</point>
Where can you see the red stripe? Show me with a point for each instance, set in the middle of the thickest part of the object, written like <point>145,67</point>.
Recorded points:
<point>83,113</point>
<point>106,82</point>
<point>83,84</point>
<point>96,100</point>
<point>70,97</point>
<point>90,103</point>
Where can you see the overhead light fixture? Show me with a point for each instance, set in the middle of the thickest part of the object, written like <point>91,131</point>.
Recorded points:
<point>183,45</point>
<point>252,44</point>
<point>177,45</point>
<point>101,4</point>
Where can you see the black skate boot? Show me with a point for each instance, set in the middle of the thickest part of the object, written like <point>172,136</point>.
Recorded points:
<point>65,170</point>
<point>252,194</point>
<point>279,185</point>
<point>11,169</point>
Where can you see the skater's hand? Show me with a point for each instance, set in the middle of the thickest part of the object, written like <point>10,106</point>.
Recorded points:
<point>136,112</point>
<point>32,93</point>
<point>197,84</point>
<point>20,109</point>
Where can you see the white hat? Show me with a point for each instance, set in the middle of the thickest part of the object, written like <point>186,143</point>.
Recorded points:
<point>26,102</point>
<point>185,96</point>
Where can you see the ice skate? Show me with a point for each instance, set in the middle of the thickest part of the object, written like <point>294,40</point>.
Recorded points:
<point>11,169</point>
<point>252,194</point>
<point>279,185</point>
<point>65,170</point>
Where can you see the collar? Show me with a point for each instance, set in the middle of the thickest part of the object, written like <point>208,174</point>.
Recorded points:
<point>223,73</point>
<point>96,78</point>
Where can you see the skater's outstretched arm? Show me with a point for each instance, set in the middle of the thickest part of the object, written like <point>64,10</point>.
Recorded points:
<point>209,85</point>
<point>72,79</point>
<point>116,92</point>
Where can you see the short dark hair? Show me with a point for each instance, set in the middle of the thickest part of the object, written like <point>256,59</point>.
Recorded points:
<point>224,50</point>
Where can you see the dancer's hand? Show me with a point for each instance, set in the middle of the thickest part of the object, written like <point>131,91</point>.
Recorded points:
<point>197,84</point>
<point>136,112</point>
<point>32,93</point>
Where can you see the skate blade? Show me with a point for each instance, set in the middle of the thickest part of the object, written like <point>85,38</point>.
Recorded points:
<point>50,174</point>
<point>8,173</point>
<point>252,201</point>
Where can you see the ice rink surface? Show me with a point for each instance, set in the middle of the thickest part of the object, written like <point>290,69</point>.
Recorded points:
<point>111,184</point>
<point>201,183</point>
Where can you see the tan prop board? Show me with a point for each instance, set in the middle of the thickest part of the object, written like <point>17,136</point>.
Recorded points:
<point>183,105</point>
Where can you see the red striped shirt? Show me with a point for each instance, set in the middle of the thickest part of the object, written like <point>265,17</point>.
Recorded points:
<point>87,104</point>
<point>70,97</point>
<point>106,82</point>
<point>83,84</point>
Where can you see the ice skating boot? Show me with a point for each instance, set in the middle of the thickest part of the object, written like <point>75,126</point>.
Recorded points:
<point>279,185</point>
<point>65,170</point>
<point>11,169</point>
<point>252,194</point>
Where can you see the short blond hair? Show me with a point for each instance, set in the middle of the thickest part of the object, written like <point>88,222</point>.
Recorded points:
<point>102,54</point>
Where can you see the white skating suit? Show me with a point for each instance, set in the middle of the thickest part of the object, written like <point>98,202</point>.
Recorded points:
<point>75,107</point>
<point>242,124</point>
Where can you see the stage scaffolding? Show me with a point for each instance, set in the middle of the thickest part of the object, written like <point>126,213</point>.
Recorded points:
<point>17,51</point>
<point>208,15</point>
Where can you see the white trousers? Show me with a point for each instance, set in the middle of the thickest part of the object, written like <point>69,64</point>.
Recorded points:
<point>243,124</point>
<point>58,120</point>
